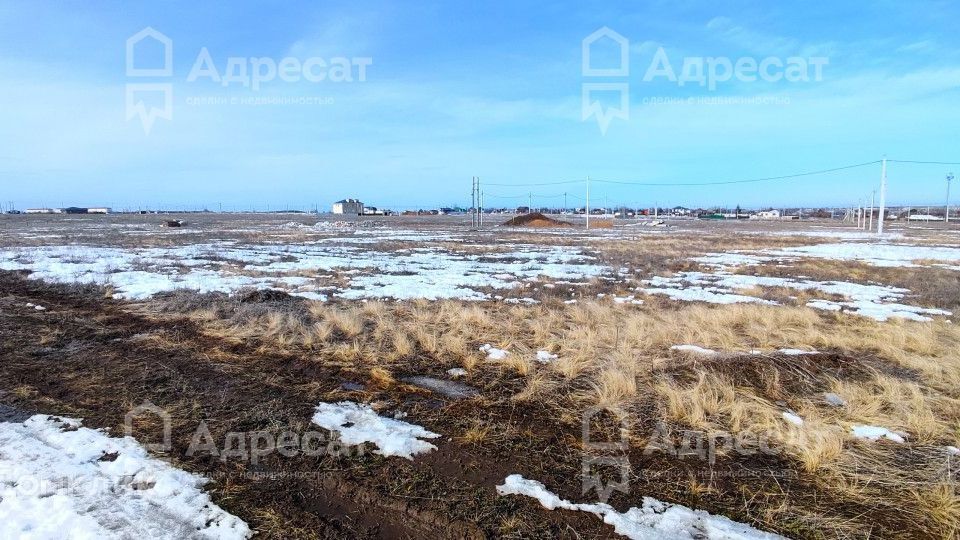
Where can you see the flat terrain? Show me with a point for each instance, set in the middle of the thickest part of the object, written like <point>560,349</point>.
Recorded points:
<point>798,378</point>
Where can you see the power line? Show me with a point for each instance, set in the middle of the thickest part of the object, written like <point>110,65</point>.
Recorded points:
<point>923,162</point>
<point>558,183</point>
<point>524,196</point>
<point>711,183</point>
<point>749,180</point>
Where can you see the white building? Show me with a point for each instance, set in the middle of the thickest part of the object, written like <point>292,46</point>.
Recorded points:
<point>98,210</point>
<point>41,211</point>
<point>924,217</point>
<point>766,214</point>
<point>348,207</point>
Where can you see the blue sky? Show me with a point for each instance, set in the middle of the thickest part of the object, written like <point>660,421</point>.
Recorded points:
<point>492,90</point>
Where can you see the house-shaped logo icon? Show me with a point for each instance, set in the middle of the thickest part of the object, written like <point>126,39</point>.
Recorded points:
<point>598,39</point>
<point>145,411</point>
<point>138,41</point>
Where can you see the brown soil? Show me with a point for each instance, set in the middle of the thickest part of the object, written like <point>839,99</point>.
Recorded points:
<point>536,219</point>
<point>94,358</point>
<point>89,357</point>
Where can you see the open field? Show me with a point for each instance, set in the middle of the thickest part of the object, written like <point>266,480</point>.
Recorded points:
<point>704,379</point>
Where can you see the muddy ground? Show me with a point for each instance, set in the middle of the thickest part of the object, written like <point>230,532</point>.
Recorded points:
<point>87,357</point>
<point>94,358</point>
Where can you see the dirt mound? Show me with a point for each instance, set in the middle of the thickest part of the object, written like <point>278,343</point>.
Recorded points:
<point>536,219</point>
<point>264,296</point>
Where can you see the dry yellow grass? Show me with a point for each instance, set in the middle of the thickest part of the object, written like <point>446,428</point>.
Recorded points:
<point>904,376</point>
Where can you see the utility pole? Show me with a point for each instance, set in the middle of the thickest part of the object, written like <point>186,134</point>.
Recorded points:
<point>475,207</point>
<point>883,195</point>
<point>481,203</point>
<point>873,196</point>
<point>946,213</point>
<point>473,202</point>
<point>530,202</point>
<point>565,201</point>
<point>588,202</point>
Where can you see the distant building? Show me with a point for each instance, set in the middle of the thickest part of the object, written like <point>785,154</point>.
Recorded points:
<point>348,207</point>
<point>766,214</point>
<point>40,211</point>
<point>374,211</point>
<point>98,210</point>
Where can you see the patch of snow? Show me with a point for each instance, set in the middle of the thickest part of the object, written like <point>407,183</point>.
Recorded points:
<point>457,372</point>
<point>879,311</point>
<point>493,353</point>
<point>693,349</point>
<point>544,357</point>
<point>731,259</point>
<point>874,433</point>
<point>884,255</point>
<point>226,267</point>
<point>878,302</point>
<point>796,352</point>
<point>357,424</point>
<point>700,294</point>
<point>528,301</point>
<point>834,400</point>
<point>655,519</point>
<point>792,418</point>
<point>54,484</point>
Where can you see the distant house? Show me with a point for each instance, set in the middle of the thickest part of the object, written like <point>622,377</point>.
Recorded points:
<point>374,211</point>
<point>348,207</point>
<point>766,214</point>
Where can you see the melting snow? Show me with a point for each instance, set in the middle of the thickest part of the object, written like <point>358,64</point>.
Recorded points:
<point>874,301</point>
<point>834,400</point>
<point>226,267</point>
<point>493,353</point>
<point>54,484</point>
<point>544,357</point>
<point>874,433</point>
<point>358,424</point>
<point>792,418</point>
<point>693,349</point>
<point>653,520</point>
<point>874,254</point>
<point>796,352</point>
